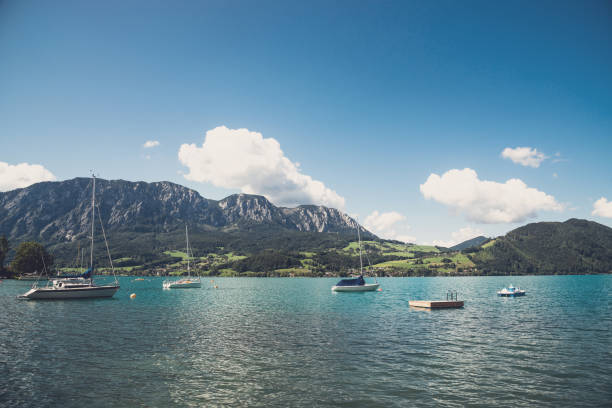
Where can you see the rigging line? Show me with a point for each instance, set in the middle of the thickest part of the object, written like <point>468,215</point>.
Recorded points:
<point>360,261</point>
<point>106,242</point>
<point>187,239</point>
<point>42,256</point>
<point>76,261</point>
<point>93,217</point>
<point>370,264</point>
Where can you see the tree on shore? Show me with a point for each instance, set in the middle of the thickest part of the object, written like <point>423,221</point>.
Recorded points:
<point>31,257</point>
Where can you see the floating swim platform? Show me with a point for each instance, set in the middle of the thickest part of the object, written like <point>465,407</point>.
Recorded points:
<point>436,304</point>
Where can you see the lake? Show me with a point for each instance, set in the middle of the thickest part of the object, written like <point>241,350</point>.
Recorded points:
<point>291,342</point>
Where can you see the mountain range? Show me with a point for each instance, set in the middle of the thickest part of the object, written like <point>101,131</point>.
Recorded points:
<point>55,212</point>
<point>247,234</point>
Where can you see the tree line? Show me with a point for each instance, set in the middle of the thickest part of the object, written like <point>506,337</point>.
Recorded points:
<point>30,258</point>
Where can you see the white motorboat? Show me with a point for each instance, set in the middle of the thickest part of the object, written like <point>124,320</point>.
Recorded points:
<point>31,277</point>
<point>511,291</point>
<point>357,284</point>
<point>187,282</point>
<point>79,286</point>
<point>182,284</point>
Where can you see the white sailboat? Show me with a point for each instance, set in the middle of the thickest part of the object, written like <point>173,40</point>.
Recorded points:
<point>80,286</point>
<point>357,284</point>
<point>187,282</point>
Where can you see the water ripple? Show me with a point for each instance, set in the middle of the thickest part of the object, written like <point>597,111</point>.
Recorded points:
<point>292,342</point>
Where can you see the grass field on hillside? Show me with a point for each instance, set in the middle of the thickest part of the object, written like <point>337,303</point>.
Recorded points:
<point>177,254</point>
<point>489,244</point>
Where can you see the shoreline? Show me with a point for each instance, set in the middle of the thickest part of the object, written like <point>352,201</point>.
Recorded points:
<point>326,277</point>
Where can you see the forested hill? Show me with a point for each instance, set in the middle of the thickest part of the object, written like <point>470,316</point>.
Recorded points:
<point>573,246</point>
<point>474,242</point>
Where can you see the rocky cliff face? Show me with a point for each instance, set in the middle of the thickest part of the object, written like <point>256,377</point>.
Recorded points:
<point>61,211</point>
<point>240,208</point>
<point>319,219</point>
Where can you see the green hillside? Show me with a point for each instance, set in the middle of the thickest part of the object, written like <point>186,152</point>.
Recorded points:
<point>572,247</point>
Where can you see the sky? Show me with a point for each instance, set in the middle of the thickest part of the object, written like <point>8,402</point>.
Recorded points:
<point>430,122</point>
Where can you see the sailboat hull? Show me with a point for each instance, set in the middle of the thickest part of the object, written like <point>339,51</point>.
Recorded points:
<point>71,293</point>
<point>368,287</point>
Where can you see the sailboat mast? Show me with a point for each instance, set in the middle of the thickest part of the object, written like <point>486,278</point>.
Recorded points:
<point>187,239</point>
<point>93,220</point>
<point>360,261</point>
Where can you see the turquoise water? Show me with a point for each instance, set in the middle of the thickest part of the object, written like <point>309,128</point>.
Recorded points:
<point>294,343</point>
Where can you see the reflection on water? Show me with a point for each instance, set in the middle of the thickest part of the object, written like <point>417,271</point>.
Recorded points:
<point>293,342</point>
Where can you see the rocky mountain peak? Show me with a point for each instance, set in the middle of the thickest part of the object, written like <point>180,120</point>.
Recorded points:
<point>61,211</point>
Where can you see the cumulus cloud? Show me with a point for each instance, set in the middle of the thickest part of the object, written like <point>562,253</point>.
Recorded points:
<point>487,201</point>
<point>150,143</point>
<point>388,225</point>
<point>602,208</point>
<point>22,175</point>
<point>525,156</point>
<point>460,236</point>
<point>245,160</point>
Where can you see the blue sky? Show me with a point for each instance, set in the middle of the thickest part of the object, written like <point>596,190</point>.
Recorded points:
<point>368,98</point>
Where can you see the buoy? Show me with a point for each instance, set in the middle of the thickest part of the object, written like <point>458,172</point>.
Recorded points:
<point>133,296</point>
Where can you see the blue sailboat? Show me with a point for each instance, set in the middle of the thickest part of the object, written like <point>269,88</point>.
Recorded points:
<point>357,284</point>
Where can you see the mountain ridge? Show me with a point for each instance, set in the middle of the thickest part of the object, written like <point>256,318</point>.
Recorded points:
<point>61,211</point>
<point>146,224</point>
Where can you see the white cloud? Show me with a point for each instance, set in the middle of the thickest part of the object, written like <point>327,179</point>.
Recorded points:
<point>389,225</point>
<point>487,201</point>
<point>525,156</point>
<point>150,143</point>
<point>460,236</point>
<point>22,175</point>
<point>245,160</point>
<point>602,207</point>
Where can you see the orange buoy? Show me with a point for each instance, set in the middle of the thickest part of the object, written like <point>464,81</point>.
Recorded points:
<point>133,296</point>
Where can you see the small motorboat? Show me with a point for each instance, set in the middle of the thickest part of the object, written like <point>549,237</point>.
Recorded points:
<point>32,277</point>
<point>182,284</point>
<point>511,291</point>
<point>355,285</point>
